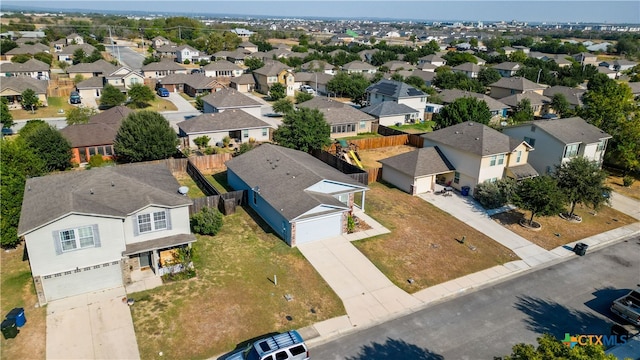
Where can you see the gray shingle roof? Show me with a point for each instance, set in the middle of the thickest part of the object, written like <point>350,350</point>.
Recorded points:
<point>99,66</point>
<point>28,49</point>
<point>196,81</point>
<point>22,83</point>
<point>29,65</point>
<point>507,65</point>
<point>336,112</point>
<point>272,68</point>
<point>221,65</point>
<point>472,137</point>
<point>118,191</point>
<point>283,175</point>
<point>534,98</point>
<point>244,79</point>
<point>395,89</point>
<point>450,95</point>
<point>388,108</point>
<point>422,162</point>
<point>94,82</point>
<point>226,120</point>
<point>229,98</point>
<point>101,129</point>
<point>69,50</point>
<point>358,65</point>
<point>163,66</point>
<point>468,67</point>
<point>573,95</point>
<point>523,171</point>
<point>517,83</point>
<point>571,130</point>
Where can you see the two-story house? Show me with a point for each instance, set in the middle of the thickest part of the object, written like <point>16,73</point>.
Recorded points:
<point>91,230</point>
<point>507,69</point>
<point>222,68</point>
<point>470,69</point>
<point>124,78</point>
<point>433,60</point>
<point>274,72</point>
<point>558,141</point>
<point>399,92</point>
<point>186,52</point>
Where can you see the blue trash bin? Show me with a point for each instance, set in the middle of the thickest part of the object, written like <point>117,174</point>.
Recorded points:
<point>18,315</point>
<point>464,191</point>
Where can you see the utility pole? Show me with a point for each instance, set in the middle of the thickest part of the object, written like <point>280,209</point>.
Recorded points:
<point>180,32</point>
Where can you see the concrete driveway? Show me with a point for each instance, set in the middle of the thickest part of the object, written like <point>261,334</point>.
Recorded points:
<point>91,326</point>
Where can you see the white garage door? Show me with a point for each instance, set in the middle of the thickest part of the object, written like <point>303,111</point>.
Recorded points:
<point>318,228</point>
<point>82,280</point>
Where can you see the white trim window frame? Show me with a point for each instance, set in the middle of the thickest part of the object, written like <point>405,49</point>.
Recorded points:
<point>150,222</point>
<point>75,239</point>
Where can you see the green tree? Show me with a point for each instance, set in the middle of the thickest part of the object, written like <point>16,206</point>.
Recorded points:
<point>455,58</point>
<point>302,97</point>
<point>111,97</point>
<point>30,100</point>
<point>144,136</point>
<point>488,75</point>
<point>5,114</point>
<point>202,141</point>
<point>79,56</point>
<point>48,143</point>
<point>21,58</point>
<point>207,221</point>
<point>304,129</point>
<point>625,149</point>
<point>351,85</point>
<point>6,45</point>
<point>518,56</point>
<point>583,182</point>
<point>80,115</point>
<point>283,106</point>
<point>416,82</point>
<point>17,162</point>
<point>140,95</point>
<point>277,91</point>
<point>44,57</point>
<point>524,111</point>
<point>540,195</point>
<point>199,102</point>
<point>461,110</point>
<point>550,348</point>
<point>606,103</point>
<point>253,63</point>
<point>447,79</point>
<point>560,105</point>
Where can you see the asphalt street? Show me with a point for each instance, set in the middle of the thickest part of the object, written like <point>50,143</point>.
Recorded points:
<point>570,297</point>
<point>126,56</point>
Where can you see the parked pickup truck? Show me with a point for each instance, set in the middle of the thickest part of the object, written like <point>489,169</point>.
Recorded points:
<point>628,307</point>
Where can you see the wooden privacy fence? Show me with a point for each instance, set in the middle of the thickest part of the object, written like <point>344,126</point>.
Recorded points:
<point>353,171</point>
<point>200,203</point>
<point>374,175</point>
<point>208,162</point>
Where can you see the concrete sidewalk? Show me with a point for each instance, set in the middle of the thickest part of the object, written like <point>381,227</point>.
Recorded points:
<point>626,205</point>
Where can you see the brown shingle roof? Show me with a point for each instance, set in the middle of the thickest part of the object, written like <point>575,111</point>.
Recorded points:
<point>422,162</point>
<point>22,83</point>
<point>229,98</point>
<point>29,65</point>
<point>472,137</point>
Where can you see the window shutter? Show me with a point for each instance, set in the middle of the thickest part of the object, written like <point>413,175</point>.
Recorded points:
<point>56,242</point>
<point>167,215</point>
<point>96,236</point>
<point>135,225</point>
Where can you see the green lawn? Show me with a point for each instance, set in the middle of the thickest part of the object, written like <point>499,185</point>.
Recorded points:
<point>362,136</point>
<point>233,298</point>
<point>56,104</point>
<point>219,181</point>
<point>419,127</point>
<point>185,180</point>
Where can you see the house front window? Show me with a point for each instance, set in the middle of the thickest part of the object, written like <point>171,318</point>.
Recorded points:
<point>265,131</point>
<point>456,177</point>
<point>601,145</point>
<point>80,238</point>
<point>519,157</point>
<point>571,150</point>
<point>146,224</point>
<point>500,159</point>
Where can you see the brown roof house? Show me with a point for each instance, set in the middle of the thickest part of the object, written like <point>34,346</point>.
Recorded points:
<point>161,69</point>
<point>96,136</point>
<point>230,99</point>
<point>11,88</point>
<point>274,72</point>
<point>236,124</point>
<point>514,85</point>
<point>344,119</point>
<point>191,84</point>
<point>87,70</point>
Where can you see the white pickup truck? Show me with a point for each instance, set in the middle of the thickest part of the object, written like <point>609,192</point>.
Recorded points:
<point>628,307</point>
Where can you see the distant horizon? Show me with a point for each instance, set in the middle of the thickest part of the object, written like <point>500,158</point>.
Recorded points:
<point>530,11</point>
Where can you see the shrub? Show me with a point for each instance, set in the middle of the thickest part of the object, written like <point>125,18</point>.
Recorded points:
<point>628,180</point>
<point>493,195</point>
<point>207,221</point>
<point>244,147</point>
<point>187,62</point>
<point>351,224</point>
<point>96,161</point>
<point>210,150</point>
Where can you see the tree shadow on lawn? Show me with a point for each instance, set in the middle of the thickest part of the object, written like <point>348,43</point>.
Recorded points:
<point>395,349</point>
<point>508,217</point>
<point>557,320</point>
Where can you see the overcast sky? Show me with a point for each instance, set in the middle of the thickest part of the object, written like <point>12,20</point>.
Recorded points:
<point>624,11</point>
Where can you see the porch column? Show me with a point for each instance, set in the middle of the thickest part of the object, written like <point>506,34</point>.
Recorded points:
<point>363,196</point>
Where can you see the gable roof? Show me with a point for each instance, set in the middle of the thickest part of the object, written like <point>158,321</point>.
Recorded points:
<point>101,66</point>
<point>101,129</point>
<point>94,82</point>
<point>221,65</point>
<point>395,89</point>
<point>243,79</point>
<point>316,65</point>
<point>450,95</point>
<point>573,95</point>
<point>388,108</point>
<point>230,98</point>
<point>272,68</point>
<point>433,58</point>
<point>222,121</point>
<point>283,175</point>
<point>28,66</point>
<point>196,81</point>
<point>472,137</point>
<point>422,162</point>
<point>28,49</point>
<point>113,115</point>
<point>533,97</point>
<point>115,191</point>
<point>517,83</point>
<point>166,65</point>
<point>69,50</point>
<point>358,65</point>
<point>507,65</point>
<point>570,130</point>
<point>22,83</point>
<point>467,67</point>
<point>336,112</point>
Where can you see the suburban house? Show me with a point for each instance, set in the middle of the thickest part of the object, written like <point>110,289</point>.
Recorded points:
<point>415,172</point>
<point>300,197</point>
<point>274,72</point>
<point>222,68</point>
<point>32,68</point>
<point>230,99</point>
<point>585,58</point>
<point>514,85</point>
<point>396,65</point>
<point>433,60</point>
<point>389,113</point>
<point>159,41</point>
<point>470,69</point>
<point>190,84</point>
<point>236,124</point>
<point>318,66</point>
<point>244,83</point>
<point>359,67</point>
<point>166,51</point>
<point>74,39</point>
<point>96,136</point>
<point>426,67</point>
<point>619,64</point>
<point>26,49</point>
<point>92,230</point>
<point>426,76</point>
<point>239,56</point>
<point>124,78</point>
<point>249,46</point>
<point>498,109</point>
<point>244,34</point>
<point>507,69</point>
<point>186,52</point>
<point>539,103</point>
<point>557,141</point>
<point>611,74</point>
<point>161,69</point>
<point>87,70</point>
<point>11,88</point>
<point>66,54</point>
<point>399,92</point>
<point>344,119</point>
<point>573,95</point>
<point>479,153</point>
<point>91,88</point>
<point>318,81</point>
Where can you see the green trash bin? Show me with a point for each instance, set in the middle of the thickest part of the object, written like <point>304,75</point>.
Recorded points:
<point>9,328</point>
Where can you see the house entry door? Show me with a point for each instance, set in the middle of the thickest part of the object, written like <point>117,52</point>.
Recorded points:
<point>145,259</point>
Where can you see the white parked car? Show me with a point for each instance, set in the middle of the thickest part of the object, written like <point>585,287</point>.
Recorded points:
<point>307,89</point>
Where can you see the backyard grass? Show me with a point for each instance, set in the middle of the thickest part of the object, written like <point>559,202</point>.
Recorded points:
<point>362,136</point>
<point>160,104</point>
<point>370,157</point>
<point>185,180</point>
<point>219,180</point>
<point>17,290</point>
<point>233,296</point>
<point>556,231</point>
<point>422,244</point>
<point>53,110</point>
<point>614,180</point>
<point>417,128</point>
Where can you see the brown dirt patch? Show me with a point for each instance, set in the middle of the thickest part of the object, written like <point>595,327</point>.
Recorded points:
<point>614,180</point>
<point>422,245</point>
<point>370,157</point>
<point>556,231</point>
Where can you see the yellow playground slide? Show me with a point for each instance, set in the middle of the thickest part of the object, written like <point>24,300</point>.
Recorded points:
<point>355,159</point>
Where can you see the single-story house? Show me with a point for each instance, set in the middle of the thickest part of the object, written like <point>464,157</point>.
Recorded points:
<point>514,85</point>
<point>300,197</point>
<point>161,69</point>
<point>26,49</point>
<point>507,69</point>
<point>539,103</point>
<point>470,69</point>
<point>236,124</point>
<point>344,119</point>
<point>87,70</point>
<point>190,84</point>
<point>390,113</point>
<point>573,95</point>
<point>91,88</point>
<point>91,230</point>
<point>230,99</point>
<point>11,88</point>
<point>244,83</point>
<point>32,68</point>
<point>415,172</point>
<point>359,67</point>
<point>66,54</point>
<point>222,68</point>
